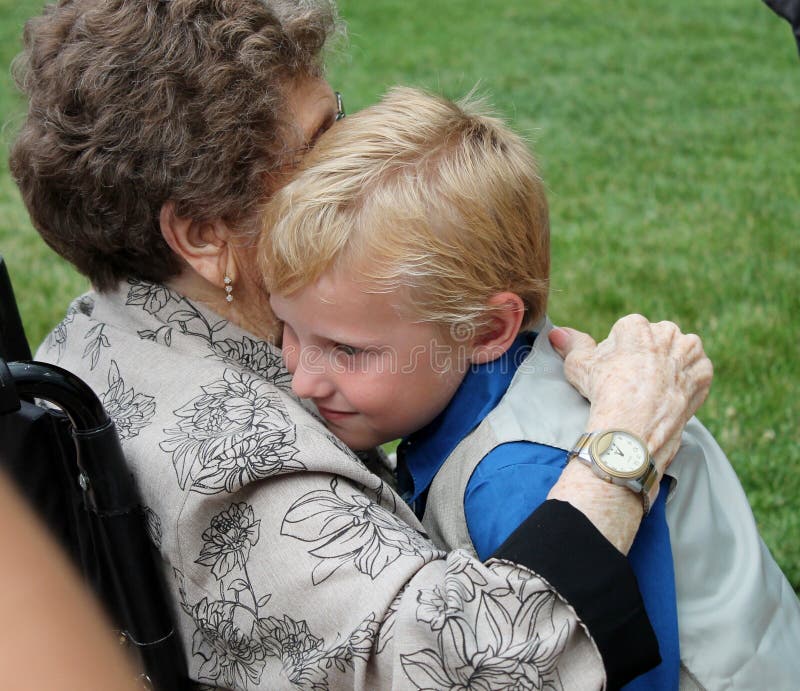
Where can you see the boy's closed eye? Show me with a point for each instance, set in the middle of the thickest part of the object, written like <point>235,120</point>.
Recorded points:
<point>348,350</point>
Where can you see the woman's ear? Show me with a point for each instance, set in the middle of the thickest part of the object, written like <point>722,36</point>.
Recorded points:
<point>203,245</point>
<point>505,318</point>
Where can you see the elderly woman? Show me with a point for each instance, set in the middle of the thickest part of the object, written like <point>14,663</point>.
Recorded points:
<point>155,130</point>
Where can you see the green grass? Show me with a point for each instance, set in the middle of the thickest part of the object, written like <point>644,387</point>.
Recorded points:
<point>668,136</point>
<point>43,282</point>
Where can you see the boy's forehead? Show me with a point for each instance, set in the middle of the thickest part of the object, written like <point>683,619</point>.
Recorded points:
<point>346,287</point>
<point>337,303</point>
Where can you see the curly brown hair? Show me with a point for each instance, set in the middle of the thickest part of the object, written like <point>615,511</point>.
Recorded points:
<point>136,102</point>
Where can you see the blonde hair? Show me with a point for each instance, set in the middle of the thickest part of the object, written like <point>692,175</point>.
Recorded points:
<point>421,195</point>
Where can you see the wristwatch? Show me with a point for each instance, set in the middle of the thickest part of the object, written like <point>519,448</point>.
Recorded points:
<point>621,458</point>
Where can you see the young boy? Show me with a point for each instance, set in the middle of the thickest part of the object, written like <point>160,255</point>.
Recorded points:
<point>432,219</point>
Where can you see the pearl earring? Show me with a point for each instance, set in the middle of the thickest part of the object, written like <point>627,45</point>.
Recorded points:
<point>228,288</point>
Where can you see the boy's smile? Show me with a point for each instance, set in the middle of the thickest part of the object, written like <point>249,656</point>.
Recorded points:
<point>373,374</point>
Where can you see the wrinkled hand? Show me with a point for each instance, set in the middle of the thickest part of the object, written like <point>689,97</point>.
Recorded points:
<point>646,378</point>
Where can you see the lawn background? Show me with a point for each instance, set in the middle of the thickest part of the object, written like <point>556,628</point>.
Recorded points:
<point>669,137</point>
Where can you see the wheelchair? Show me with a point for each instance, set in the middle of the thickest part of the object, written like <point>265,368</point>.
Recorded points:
<point>65,457</point>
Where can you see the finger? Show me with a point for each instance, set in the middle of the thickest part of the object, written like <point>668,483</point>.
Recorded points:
<point>668,331</point>
<point>668,337</point>
<point>693,351</point>
<point>565,340</point>
<point>667,452</point>
<point>631,322</point>
<point>632,331</point>
<point>577,349</point>
<point>633,319</point>
<point>702,373</point>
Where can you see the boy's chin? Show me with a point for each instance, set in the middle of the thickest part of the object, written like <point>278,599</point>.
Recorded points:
<point>362,437</point>
<point>360,444</point>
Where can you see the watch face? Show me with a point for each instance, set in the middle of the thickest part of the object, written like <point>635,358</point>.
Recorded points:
<point>622,454</point>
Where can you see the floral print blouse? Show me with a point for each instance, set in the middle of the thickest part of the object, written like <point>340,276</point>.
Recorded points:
<point>292,565</point>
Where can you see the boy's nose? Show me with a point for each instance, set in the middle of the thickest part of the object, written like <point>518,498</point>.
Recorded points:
<point>311,381</point>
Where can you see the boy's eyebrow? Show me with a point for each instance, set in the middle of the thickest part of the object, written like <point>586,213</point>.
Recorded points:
<point>340,338</point>
<point>362,341</point>
<point>349,339</point>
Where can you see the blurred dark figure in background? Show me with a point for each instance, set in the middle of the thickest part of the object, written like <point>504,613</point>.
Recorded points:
<point>790,11</point>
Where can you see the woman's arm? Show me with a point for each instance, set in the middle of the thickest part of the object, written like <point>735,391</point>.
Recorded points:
<point>332,583</point>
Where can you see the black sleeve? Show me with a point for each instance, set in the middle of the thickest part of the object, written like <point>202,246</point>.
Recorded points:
<point>561,545</point>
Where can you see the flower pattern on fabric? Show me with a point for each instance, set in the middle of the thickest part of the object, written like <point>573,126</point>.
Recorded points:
<point>358,646</point>
<point>258,356</point>
<point>439,604</point>
<point>57,338</point>
<point>97,340</point>
<point>161,335</point>
<point>386,630</point>
<point>233,635</point>
<point>151,296</point>
<point>346,527</point>
<point>294,645</point>
<point>435,608</point>
<point>235,432</point>
<point>232,656</point>
<point>153,526</point>
<point>374,461</point>
<point>344,448</point>
<point>493,637</point>
<point>227,542</point>
<point>130,411</point>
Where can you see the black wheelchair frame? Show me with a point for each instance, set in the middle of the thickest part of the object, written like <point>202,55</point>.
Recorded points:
<point>68,463</point>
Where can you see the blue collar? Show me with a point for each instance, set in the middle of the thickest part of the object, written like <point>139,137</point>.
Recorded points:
<point>422,454</point>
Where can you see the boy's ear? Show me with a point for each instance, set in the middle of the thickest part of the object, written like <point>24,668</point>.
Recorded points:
<point>505,318</point>
<point>203,245</point>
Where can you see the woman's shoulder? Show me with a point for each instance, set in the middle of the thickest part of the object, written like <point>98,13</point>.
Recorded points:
<point>183,382</point>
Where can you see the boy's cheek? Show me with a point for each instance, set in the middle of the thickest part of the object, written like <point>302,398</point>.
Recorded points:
<point>289,355</point>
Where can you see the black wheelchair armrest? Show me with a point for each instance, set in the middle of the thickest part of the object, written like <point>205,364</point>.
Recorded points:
<point>73,460</point>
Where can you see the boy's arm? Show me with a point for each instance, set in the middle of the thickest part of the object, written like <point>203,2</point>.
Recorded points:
<point>507,486</point>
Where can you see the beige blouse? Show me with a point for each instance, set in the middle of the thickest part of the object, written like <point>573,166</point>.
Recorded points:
<point>290,563</point>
